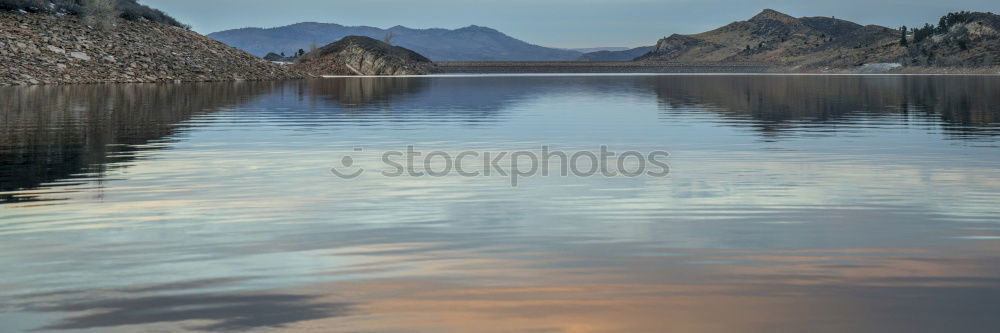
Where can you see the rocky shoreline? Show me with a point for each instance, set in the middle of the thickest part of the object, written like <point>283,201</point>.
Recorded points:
<point>649,67</point>
<point>605,67</point>
<point>50,49</point>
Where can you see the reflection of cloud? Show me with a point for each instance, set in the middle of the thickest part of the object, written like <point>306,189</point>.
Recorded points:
<point>590,287</point>
<point>228,312</point>
<point>233,311</point>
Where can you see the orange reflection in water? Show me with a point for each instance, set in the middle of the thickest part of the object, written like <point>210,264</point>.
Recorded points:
<point>796,291</point>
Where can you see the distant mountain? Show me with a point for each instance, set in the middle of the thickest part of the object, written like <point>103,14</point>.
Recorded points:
<point>598,49</point>
<point>621,55</point>
<point>472,43</point>
<point>775,38</point>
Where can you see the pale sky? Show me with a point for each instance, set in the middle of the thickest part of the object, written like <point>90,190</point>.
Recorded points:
<point>554,23</point>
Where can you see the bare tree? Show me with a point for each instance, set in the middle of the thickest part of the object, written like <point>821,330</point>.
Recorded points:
<point>99,14</point>
<point>389,36</point>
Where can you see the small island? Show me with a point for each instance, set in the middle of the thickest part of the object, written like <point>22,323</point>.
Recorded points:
<point>360,55</point>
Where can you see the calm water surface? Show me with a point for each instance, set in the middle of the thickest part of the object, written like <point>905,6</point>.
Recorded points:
<point>794,203</point>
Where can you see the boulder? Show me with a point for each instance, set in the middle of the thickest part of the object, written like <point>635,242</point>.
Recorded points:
<point>80,56</point>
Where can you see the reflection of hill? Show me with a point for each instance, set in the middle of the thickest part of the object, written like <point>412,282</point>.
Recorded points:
<point>56,133</point>
<point>51,133</point>
<point>358,92</point>
<point>968,105</point>
<point>465,99</point>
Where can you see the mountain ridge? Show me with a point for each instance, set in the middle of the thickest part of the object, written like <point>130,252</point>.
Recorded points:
<point>469,43</point>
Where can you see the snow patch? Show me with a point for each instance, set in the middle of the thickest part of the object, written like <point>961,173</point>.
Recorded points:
<point>880,67</point>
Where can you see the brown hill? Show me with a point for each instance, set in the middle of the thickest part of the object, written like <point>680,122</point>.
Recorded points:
<point>774,38</point>
<point>39,48</point>
<point>359,55</point>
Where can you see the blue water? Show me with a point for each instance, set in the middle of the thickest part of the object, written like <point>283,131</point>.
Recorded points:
<point>799,203</point>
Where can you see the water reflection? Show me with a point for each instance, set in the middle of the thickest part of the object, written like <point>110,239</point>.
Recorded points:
<point>695,292</point>
<point>223,312</point>
<point>53,133</point>
<point>963,106</point>
<point>66,133</point>
<point>802,202</point>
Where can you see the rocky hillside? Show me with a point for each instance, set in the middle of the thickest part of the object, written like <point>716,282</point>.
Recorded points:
<point>778,39</point>
<point>622,55</point>
<point>359,55</point>
<point>42,48</point>
<point>472,43</point>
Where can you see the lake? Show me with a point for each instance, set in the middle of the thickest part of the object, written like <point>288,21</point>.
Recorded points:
<point>790,202</point>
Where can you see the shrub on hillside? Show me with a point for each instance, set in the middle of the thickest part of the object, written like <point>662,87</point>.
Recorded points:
<point>922,33</point>
<point>132,11</point>
<point>127,9</point>
<point>72,7</point>
<point>25,5</point>
<point>951,19</point>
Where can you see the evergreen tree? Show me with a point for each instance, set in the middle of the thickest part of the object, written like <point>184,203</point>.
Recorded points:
<point>902,37</point>
<point>922,33</point>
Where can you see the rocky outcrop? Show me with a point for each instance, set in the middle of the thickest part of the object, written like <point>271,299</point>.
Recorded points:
<point>623,55</point>
<point>273,57</point>
<point>359,55</point>
<point>678,47</point>
<point>40,48</point>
